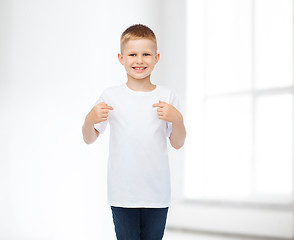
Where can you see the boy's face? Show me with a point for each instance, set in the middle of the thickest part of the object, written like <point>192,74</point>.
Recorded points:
<point>139,58</point>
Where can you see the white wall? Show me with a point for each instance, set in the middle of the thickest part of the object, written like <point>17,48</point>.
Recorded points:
<point>56,58</point>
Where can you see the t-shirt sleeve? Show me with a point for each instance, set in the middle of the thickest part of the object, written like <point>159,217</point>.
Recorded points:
<point>175,101</point>
<point>102,125</point>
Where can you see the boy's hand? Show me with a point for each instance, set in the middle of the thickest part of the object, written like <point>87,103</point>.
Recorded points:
<point>167,112</point>
<point>99,113</point>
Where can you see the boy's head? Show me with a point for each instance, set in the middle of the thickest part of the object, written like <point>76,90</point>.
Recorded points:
<point>137,31</point>
<point>138,52</point>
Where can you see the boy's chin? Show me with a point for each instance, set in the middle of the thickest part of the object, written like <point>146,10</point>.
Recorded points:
<point>139,77</point>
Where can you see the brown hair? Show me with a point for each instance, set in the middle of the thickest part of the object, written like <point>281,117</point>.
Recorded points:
<point>137,31</point>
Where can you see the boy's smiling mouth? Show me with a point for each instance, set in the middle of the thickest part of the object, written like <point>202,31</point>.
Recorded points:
<point>139,69</point>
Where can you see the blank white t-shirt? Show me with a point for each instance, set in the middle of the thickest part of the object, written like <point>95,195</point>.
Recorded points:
<point>138,173</point>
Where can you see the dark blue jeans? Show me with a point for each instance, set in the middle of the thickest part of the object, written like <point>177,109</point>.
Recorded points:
<point>139,223</point>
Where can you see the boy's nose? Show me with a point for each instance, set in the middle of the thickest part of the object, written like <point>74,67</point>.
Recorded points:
<point>139,59</point>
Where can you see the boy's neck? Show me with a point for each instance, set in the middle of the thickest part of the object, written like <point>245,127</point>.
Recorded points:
<point>140,85</point>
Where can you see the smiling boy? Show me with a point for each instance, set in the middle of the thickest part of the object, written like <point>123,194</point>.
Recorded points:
<point>141,116</point>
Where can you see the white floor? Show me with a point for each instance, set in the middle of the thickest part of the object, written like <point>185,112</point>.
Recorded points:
<point>181,235</point>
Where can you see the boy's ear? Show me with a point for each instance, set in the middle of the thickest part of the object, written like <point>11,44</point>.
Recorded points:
<point>157,56</point>
<point>120,58</point>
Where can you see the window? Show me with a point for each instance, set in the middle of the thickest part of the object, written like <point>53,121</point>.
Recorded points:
<point>239,101</point>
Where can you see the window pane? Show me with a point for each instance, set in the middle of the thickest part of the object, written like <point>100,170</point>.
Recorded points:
<point>273,43</point>
<point>228,45</point>
<point>274,142</point>
<point>225,169</point>
<point>220,162</point>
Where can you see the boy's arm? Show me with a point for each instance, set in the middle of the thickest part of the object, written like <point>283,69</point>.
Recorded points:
<point>98,113</point>
<point>178,134</point>
<point>169,113</point>
<point>90,134</point>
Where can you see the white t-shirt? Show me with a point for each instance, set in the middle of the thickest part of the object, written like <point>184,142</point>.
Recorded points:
<point>138,173</point>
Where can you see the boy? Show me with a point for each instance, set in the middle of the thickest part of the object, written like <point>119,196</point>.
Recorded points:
<point>141,116</point>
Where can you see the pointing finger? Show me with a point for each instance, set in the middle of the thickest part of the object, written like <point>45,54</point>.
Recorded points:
<point>157,105</point>
<point>108,107</point>
<point>162,102</point>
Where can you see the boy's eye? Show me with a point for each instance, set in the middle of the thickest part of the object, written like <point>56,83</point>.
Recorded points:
<point>145,54</point>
